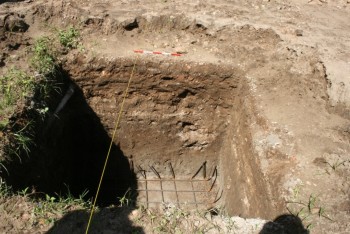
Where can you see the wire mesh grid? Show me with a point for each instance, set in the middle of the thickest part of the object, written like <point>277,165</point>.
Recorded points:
<point>197,192</point>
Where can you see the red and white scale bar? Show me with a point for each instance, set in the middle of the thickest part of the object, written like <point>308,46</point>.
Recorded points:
<point>156,52</point>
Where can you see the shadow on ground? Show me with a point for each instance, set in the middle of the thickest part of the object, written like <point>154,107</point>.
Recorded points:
<point>69,152</point>
<point>108,220</point>
<point>67,157</point>
<point>284,224</point>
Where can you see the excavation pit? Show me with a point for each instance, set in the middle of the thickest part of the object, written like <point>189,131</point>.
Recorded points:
<point>183,138</point>
<point>177,117</point>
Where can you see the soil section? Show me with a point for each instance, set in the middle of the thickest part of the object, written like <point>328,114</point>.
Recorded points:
<point>191,113</point>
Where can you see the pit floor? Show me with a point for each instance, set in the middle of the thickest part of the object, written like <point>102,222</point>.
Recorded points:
<point>192,193</point>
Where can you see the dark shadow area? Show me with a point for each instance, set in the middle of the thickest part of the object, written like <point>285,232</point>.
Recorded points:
<point>4,1</point>
<point>108,220</point>
<point>68,155</point>
<point>284,224</point>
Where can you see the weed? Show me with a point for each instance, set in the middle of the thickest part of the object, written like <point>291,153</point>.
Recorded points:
<point>307,210</point>
<point>338,163</point>
<point>70,199</point>
<point>152,216</point>
<point>15,85</point>
<point>42,112</point>
<point>69,38</point>
<point>172,219</point>
<point>3,124</point>
<point>45,87</point>
<point>3,166</point>
<point>230,224</point>
<point>51,208</point>
<point>23,140</point>
<point>5,190</point>
<point>126,200</point>
<point>23,192</point>
<point>296,191</point>
<point>81,48</point>
<point>44,56</point>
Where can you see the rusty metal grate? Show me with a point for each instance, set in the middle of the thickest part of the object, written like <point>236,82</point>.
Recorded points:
<point>195,192</point>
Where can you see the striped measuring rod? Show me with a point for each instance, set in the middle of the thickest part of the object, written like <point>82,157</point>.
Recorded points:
<point>156,52</point>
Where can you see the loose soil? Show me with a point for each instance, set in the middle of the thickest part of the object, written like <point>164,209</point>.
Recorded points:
<point>260,93</point>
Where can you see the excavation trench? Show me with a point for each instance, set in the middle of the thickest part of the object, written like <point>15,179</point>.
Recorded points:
<point>183,138</point>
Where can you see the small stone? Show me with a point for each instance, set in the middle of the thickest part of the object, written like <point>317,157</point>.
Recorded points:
<point>134,214</point>
<point>299,32</point>
<point>26,216</point>
<point>180,51</point>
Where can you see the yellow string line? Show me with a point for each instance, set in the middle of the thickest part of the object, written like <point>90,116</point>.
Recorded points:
<point>110,147</point>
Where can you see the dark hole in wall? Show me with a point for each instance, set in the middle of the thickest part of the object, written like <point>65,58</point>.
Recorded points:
<point>69,153</point>
<point>131,26</point>
<point>185,93</point>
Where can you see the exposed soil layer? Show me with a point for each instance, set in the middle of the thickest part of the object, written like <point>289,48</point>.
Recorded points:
<point>191,113</point>
<point>185,114</point>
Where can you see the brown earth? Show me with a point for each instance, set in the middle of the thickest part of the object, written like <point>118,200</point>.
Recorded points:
<point>261,92</point>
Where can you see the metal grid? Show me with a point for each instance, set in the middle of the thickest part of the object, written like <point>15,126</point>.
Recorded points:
<point>154,190</point>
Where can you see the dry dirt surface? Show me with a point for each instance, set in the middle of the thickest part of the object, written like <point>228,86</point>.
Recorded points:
<point>262,91</point>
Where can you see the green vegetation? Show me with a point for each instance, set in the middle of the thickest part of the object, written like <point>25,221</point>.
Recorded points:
<point>18,87</point>
<point>126,200</point>
<point>44,56</point>
<point>334,165</point>
<point>23,141</point>
<point>15,86</point>
<point>47,209</point>
<point>51,208</point>
<point>5,190</point>
<point>3,124</point>
<point>308,210</point>
<point>46,50</point>
<point>69,38</point>
<point>26,95</point>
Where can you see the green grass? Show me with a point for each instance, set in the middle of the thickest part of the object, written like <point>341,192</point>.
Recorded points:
<point>51,208</point>
<point>338,163</point>
<point>308,210</point>
<point>20,143</point>
<point>3,124</point>
<point>23,140</point>
<point>44,58</point>
<point>69,38</point>
<point>15,86</point>
<point>126,200</point>
<point>18,87</point>
<point>5,190</point>
<point>48,209</point>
